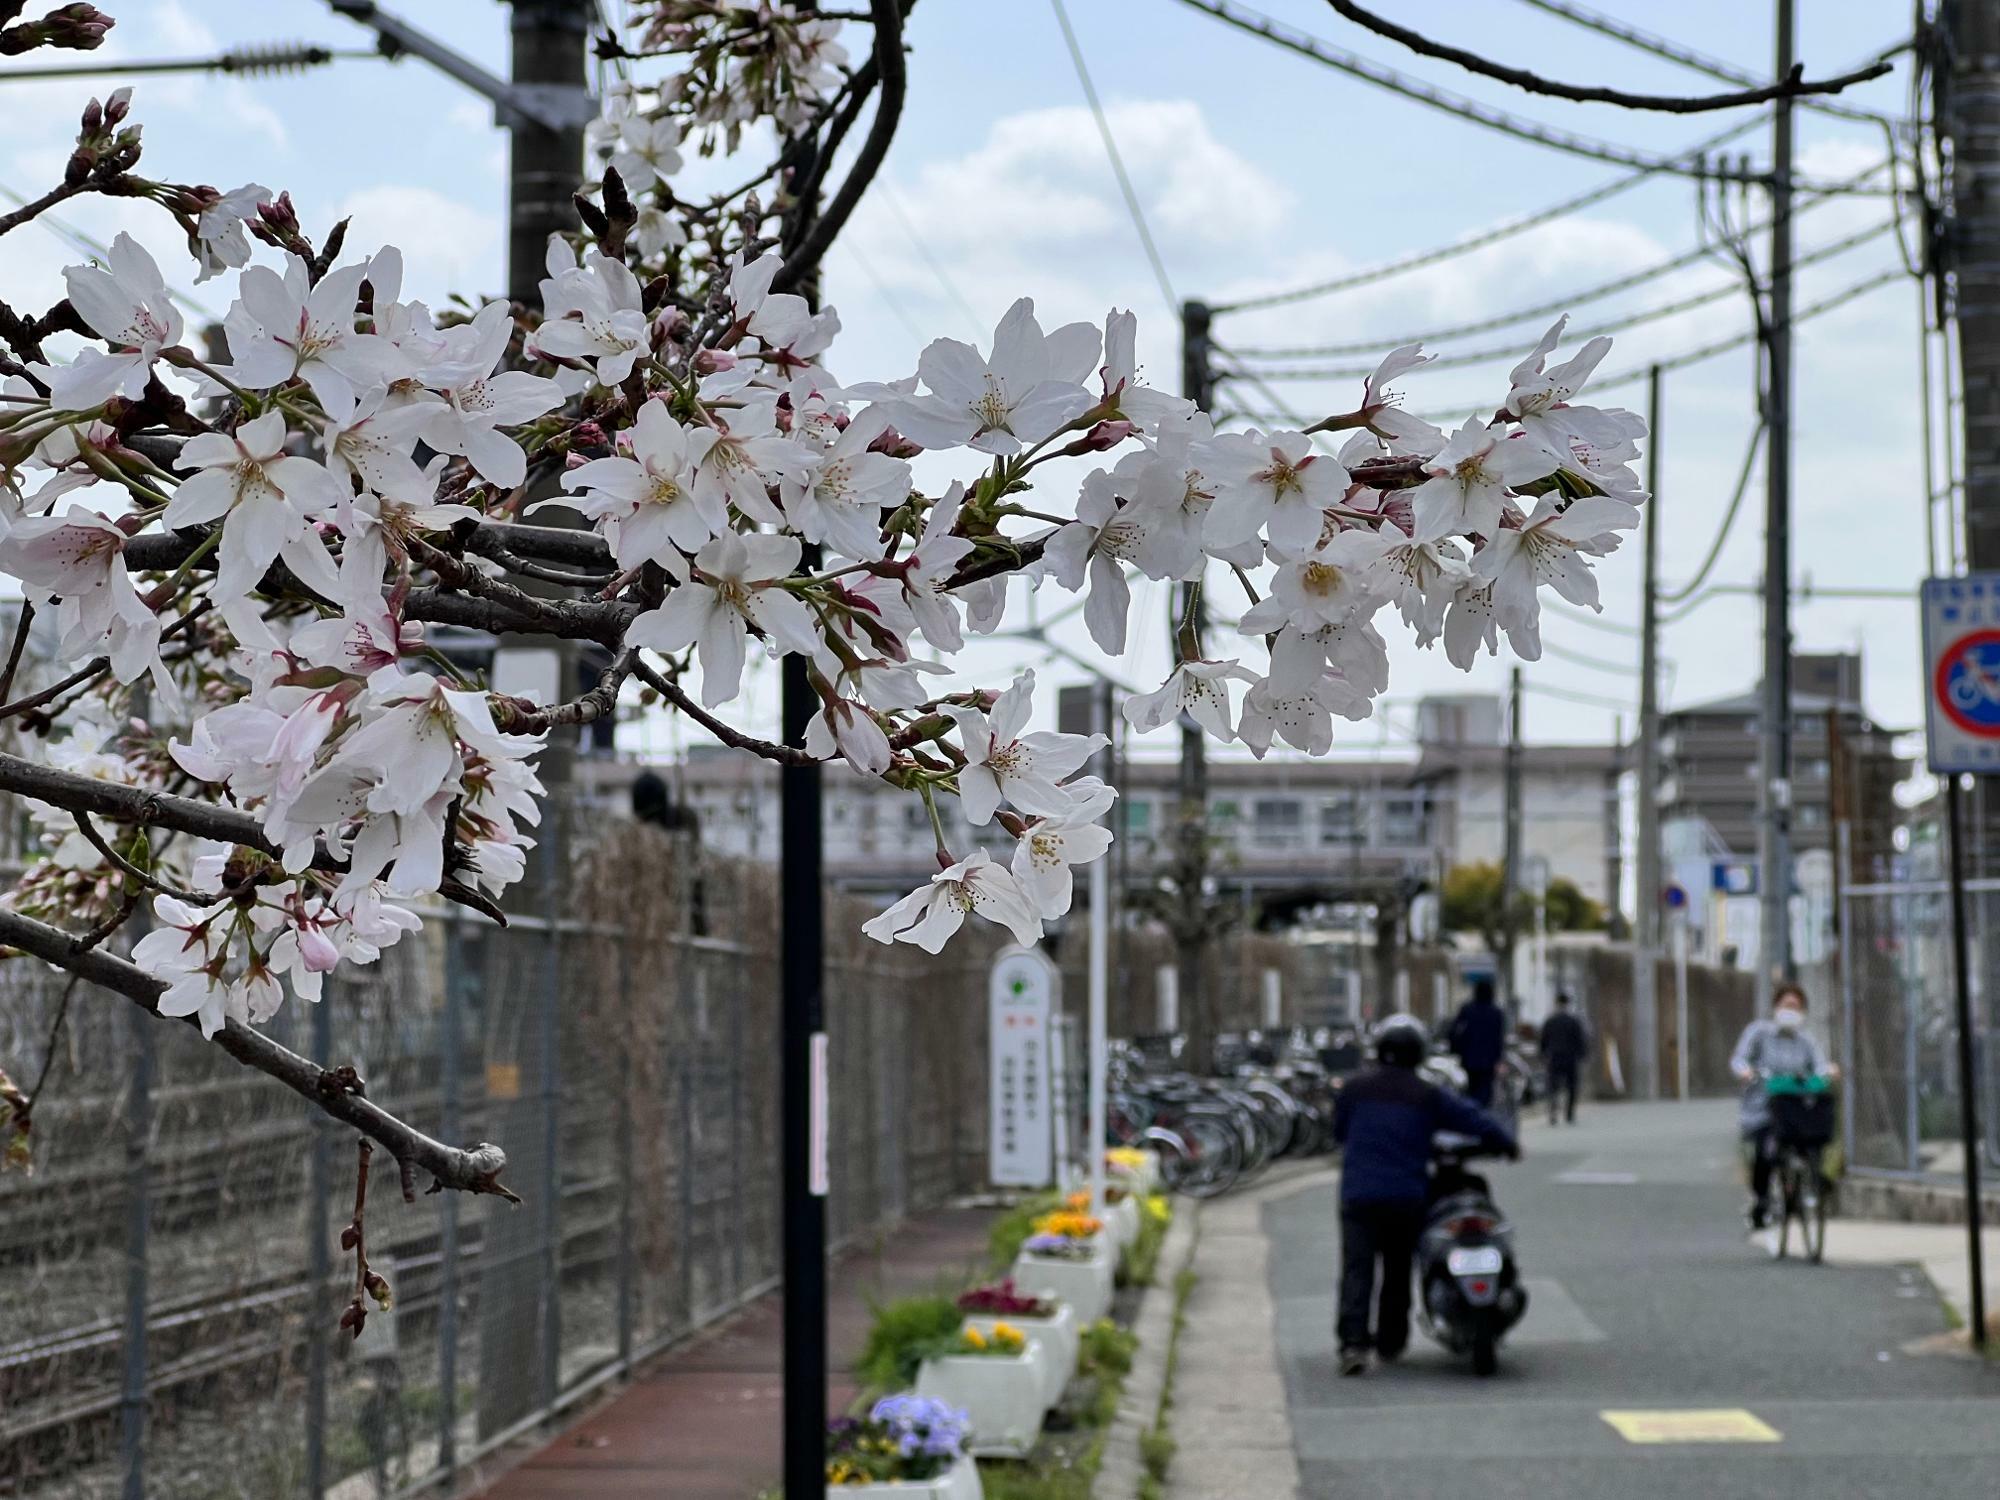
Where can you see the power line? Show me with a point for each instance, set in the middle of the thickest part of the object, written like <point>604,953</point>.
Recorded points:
<point>1550,308</point>
<point>882,290</point>
<point>1584,659</point>
<point>1571,695</point>
<point>1674,596</point>
<point>895,201</point>
<point>62,229</point>
<point>1630,320</point>
<point>1687,57</point>
<point>1465,108</point>
<point>266,58</point>
<point>1117,162</point>
<point>1598,622</point>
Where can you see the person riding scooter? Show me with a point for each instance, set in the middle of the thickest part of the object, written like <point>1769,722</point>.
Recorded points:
<point>1385,1120</point>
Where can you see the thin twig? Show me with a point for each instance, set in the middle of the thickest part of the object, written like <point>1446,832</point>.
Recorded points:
<point>784,755</point>
<point>97,840</point>
<point>473,1170</point>
<point>49,1056</point>
<point>20,646</point>
<point>1794,85</point>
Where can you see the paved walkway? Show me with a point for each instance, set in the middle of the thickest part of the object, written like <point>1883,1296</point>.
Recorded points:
<point>702,1422</point>
<point>1646,1298</point>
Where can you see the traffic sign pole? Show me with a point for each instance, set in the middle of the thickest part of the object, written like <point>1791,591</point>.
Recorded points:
<point>1962,734</point>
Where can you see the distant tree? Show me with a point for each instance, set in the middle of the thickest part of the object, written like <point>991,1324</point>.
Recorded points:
<point>1472,903</point>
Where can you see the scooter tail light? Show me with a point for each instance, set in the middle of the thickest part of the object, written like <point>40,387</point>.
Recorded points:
<point>1471,1224</point>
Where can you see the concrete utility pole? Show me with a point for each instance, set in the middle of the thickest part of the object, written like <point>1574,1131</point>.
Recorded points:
<point>551,52</point>
<point>1775,771</point>
<point>1510,859</point>
<point>1184,626</point>
<point>1969,115</point>
<point>1646,887</point>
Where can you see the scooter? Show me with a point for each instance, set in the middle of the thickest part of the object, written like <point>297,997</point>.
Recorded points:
<point>1470,1291</point>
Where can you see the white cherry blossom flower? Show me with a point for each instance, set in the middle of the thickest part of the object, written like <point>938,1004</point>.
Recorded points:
<point>1199,689</point>
<point>127,304</point>
<point>647,152</point>
<point>648,502</point>
<point>1273,485</point>
<point>187,948</point>
<point>284,326</point>
<point>1545,550</point>
<point>1048,851</point>
<point>1030,389</point>
<point>218,242</point>
<point>737,585</point>
<point>478,401</point>
<point>1096,545</point>
<point>848,730</point>
<point>1470,477</point>
<point>1344,577</point>
<point>1303,719</point>
<point>839,498</point>
<point>595,313</point>
<point>737,464</point>
<point>1004,764</point>
<point>1539,400</point>
<point>266,499</point>
<point>929,915</point>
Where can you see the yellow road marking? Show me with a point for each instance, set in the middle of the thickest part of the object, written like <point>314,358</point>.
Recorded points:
<point>1732,1425</point>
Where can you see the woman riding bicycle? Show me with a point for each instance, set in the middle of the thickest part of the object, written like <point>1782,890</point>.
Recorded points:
<point>1777,1047</point>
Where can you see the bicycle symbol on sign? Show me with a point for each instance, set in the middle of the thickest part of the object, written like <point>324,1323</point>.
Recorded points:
<point>1968,683</point>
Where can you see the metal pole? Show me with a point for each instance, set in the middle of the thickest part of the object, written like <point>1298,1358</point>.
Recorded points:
<point>1099,1044</point>
<point>138,1221</point>
<point>1646,883</point>
<point>1198,385</point>
<point>451,1127</point>
<point>1775,784</point>
<point>1510,867</point>
<point>627,1080</point>
<point>1843,844</point>
<point>1684,1067</point>
<point>545,167</point>
<point>550,1045</point>
<point>803,1084</point>
<point>1968,1075</point>
<point>319,1262</point>
<point>1968,93</point>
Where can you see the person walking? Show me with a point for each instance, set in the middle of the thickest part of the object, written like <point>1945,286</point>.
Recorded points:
<point>1779,1046</point>
<point>1565,1043</point>
<point>1384,1120</point>
<point>1478,1037</point>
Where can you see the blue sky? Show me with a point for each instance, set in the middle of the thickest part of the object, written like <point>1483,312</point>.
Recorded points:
<point>1257,170</point>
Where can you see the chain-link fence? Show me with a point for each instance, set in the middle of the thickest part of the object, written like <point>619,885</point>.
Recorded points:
<point>171,1276</point>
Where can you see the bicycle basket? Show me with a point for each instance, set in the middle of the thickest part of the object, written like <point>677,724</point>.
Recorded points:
<point>1802,1119</point>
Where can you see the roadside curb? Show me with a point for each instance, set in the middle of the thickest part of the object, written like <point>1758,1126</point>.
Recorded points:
<point>1122,1468</point>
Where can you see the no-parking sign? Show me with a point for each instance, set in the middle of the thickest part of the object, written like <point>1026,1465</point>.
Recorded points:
<point>1962,673</point>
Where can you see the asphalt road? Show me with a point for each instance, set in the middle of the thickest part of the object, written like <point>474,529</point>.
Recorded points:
<point>1645,1296</point>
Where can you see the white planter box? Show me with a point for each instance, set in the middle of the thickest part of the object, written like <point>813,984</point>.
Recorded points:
<point>1121,1220</point>
<point>1057,1337</point>
<point>1086,1285</point>
<point>959,1482</point>
<point>1002,1394</point>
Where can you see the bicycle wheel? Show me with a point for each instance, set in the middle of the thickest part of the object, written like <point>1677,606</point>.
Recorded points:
<point>1812,1212</point>
<point>1788,1198</point>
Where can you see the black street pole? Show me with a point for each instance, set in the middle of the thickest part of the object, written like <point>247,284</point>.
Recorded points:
<point>1968,1075</point>
<point>551,50</point>
<point>1191,834</point>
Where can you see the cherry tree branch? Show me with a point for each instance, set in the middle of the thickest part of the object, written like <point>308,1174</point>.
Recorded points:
<point>475,1169</point>
<point>785,755</point>
<point>1794,85</point>
<point>801,262</point>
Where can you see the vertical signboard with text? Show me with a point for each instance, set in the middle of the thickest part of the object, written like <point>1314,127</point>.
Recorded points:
<point>1962,673</point>
<point>1021,999</point>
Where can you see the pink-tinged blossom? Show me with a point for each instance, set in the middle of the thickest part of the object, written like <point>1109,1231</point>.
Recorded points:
<point>1546,550</point>
<point>648,503</point>
<point>1470,479</point>
<point>266,500</point>
<point>1004,764</point>
<point>1027,391</point>
<point>126,303</point>
<point>1270,485</point>
<point>595,313</point>
<point>1049,849</point>
<point>283,327</point>
<point>477,401</point>
<point>737,585</point>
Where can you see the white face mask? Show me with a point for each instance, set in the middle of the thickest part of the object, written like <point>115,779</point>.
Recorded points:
<point>1789,1018</point>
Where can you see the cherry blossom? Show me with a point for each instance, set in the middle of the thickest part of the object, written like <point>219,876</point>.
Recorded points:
<point>284,326</point>
<point>127,303</point>
<point>929,915</point>
<point>1275,485</point>
<point>266,499</point>
<point>1470,479</point>
<point>1198,689</point>
<point>737,585</point>
<point>1031,387</point>
<point>648,502</point>
<point>1004,764</point>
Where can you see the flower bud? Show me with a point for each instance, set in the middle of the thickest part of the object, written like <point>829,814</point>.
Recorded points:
<point>714,361</point>
<point>1107,434</point>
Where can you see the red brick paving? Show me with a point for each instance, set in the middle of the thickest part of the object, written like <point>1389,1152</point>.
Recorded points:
<point>701,1423</point>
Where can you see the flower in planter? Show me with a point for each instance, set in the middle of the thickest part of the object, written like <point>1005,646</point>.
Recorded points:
<point>1005,1341</point>
<point>1069,1224</point>
<point>1125,1159</point>
<point>1080,1202</point>
<point>903,1437</point>
<point>1000,1299</point>
<point>1057,1247</point>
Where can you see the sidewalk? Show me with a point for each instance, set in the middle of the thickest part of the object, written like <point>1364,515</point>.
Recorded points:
<point>702,1422</point>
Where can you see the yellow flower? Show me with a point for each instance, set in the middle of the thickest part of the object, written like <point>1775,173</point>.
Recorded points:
<point>1009,1338</point>
<point>974,1339</point>
<point>1131,1158</point>
<point>1068,1224</point>
<point>1079,1202</point>
<point>1157,1207</point>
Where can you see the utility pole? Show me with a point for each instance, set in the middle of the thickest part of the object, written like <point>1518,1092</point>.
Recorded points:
<point>1969,114</point>
<point>551,49</point>
<point>1775,772</point>
<point>1646,885</point>
<point>1510,860</point>
<point>1191,864</point>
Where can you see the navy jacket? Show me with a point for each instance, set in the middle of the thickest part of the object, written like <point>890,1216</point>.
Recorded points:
<point>1479,1034</point>
<point>1565,1040</point>
<point>1384,1121</point>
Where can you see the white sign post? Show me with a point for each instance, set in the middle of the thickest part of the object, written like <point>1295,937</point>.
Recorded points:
<point>1020,998</point>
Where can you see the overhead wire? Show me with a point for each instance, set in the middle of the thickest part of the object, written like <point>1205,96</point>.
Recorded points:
<point>1584,659</point>
<point>1597,622</point>
<point>1628,320</point>
<point>1573,695</point>
<point>1258,24</point>
<point>895,201</point>
<point>1117,161</point>
<point>1687,57</point>
<point>1674,596</point>
<point>1549,308</point>
<point>62,229</point>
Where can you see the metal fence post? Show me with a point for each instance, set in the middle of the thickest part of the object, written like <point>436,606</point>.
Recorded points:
<point>450,1043</point>
<point>319,1263</point>
<point>738,1219</point>
<point>627,1079</point>
<point>1912,1118</point>
<point>138,1221</point>
<point>551,1048</point>
<point>690,1039</point>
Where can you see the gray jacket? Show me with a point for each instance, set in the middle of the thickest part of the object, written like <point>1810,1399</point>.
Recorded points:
<point>1766,1048</point>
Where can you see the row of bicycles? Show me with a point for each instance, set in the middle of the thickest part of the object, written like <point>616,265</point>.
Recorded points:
<point>1273,1098</point>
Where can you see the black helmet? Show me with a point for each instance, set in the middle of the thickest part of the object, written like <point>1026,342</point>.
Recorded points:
<point>1401,1041</point>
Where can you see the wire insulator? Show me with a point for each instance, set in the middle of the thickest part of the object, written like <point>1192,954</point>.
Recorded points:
<point>273,58</point>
